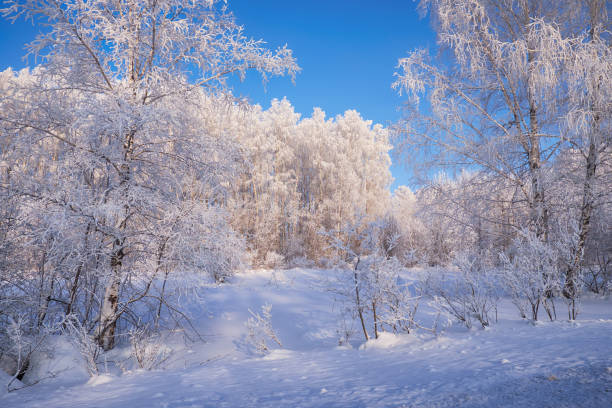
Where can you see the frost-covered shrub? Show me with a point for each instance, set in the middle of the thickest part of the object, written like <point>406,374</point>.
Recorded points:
<point>148,349</point>
<point>300,262</point>
<point>471,295</point>
<point>570,258</point>
<point>369,278</point>
<point>18,348</point>
<point>346,325</point>
<point>85,343</point>
<point>598,276</point>
<point>532,275</point>
<point>260,330</point>
<point>394,302</point>
<point>20,341</point>
<point>598,255</point>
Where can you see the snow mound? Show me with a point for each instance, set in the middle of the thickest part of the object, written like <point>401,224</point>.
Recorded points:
<point>387,340</point>
<point>57,358</point>
<point>99,380</point>
<point>278,354</point>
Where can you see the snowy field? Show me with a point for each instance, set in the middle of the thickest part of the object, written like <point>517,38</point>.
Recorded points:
<point>512,364</point>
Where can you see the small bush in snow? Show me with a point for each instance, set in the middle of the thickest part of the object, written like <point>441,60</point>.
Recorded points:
<point>372,286</point>
<point>19,341</point>
<point>471,296</point>
<point>571,270</point>
<point>86,345</point>
<point>261,330</point>
<point>532,275</point>
<point>394,301</point>
<point>598,276</point>
<point>148,350</point>
<point>346,326</point>
<point>15,348</point>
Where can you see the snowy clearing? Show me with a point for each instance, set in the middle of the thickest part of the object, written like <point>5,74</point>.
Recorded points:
<point>514,363</point>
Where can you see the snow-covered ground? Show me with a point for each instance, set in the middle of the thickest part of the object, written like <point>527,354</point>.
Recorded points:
<point>512,364</point>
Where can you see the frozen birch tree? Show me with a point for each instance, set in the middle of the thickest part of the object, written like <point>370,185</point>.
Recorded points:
<point>585,63</point>
<point>492,102</point>
<point>125,168</point>
<point>519,87</point>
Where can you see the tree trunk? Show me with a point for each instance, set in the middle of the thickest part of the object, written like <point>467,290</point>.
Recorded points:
<point>75,284</point>
<point>358,300</point>
<point>588,199</point>
<point>375,320</point>
<point>539,212</point>
<point>110,304</point>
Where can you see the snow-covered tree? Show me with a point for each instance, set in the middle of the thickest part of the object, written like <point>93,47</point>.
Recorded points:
<point>518,88</point>
<point>106,146</point>
<point>487,106</point>
<point>585,65</point>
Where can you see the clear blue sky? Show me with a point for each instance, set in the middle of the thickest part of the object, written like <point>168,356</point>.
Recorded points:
<point>347,49</point>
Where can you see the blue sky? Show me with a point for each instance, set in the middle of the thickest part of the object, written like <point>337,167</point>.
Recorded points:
<point>347,49</point>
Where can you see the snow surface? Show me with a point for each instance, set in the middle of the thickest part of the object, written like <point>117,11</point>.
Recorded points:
<point>512,364</point>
